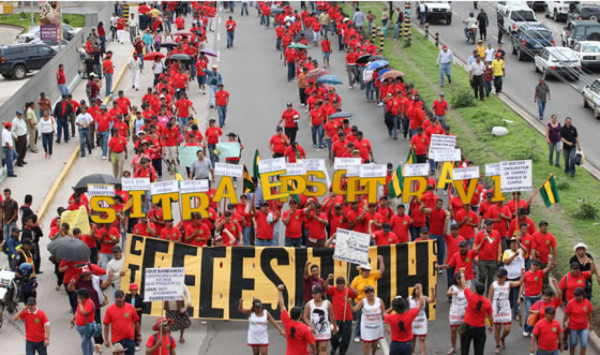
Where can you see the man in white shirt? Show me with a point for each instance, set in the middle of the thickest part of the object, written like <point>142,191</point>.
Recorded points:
<point>445,58</point>
<point>133,24</point>
<point>19,132</point>
<point>135,64</point>
<point>114,268</point>
<point>84,121</point>
<point>476,76</point>
<point>8,148</point>
<point>113,27</point>
<point>489,53</point>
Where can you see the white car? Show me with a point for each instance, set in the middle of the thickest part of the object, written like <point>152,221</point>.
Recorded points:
<point>439,10</point>
<point>589,53</point>
<point>34,33</point>
<point>502,5</point>
<point>591,97</point>
<point>515,16</point>
<point>560,62</point>
<point>558,10</point>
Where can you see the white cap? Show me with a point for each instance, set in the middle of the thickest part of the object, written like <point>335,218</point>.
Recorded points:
<point>580,245</point>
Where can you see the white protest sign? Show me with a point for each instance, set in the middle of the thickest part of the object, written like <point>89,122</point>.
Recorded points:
<point>164,187</point>
<point>233,170</point>
<point>441,141</point>
<point>492,169</point>
<point>471,172</point>
<point>101,190</point>
<point>411,170</point>
<point>373,170</point>
<point>193,186</point>
<point>164,284</point>
<point>353,171</point>
<point>135,184</point>
<point>351,247</point>
<point>515,175</point>
<point>270,165</point>
<point>452,154</point>
<point>344,163</point>
<point>295,169</point>
<point>314,164</point>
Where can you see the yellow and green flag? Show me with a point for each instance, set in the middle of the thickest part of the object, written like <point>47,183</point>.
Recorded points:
<point>412,157</point>
<point>395,185</point>
<point>178,176</point>
<point>255,171</point>
<point>549,192</point>
<point>248,183</point>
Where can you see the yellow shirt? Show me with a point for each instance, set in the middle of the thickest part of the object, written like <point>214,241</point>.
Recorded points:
<point>498,67</point>
<point>481,51</point>
<point>154,12</point>
<point>360,283</point>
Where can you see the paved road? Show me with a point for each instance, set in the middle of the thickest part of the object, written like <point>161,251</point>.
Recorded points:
<point>521,78</point>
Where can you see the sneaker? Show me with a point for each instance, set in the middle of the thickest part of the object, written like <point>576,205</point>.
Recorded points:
<point>350,87</point>
<point>356,339</point>
<point>525,334</point>
<point>104,157</point>
<point>314,145</point>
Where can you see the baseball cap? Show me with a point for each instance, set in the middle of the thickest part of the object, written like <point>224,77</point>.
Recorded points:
<point>7,124</point>
<point>386,227</point>
<point>116,249</point>
<point>444,47</point>
<point>423,230</point>
<point>31,301</point>
<point>19,112</point>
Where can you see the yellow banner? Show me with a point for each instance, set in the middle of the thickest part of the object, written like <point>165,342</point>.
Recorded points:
<point>218,277</point>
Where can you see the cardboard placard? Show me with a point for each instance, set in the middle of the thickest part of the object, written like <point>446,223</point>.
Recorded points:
<point>411,170</point>
<point>492,169</point>
<point>164,187</point>
<point>471,172</point>
<point>135,184</point>
<point>515,175</point>
<point>233,170</point>
<point>164,284</point>
<point>373,170</point>
<point>452,154</point>
<point>352,247</point>
<point>100,190</point>
<point>295,169</point>
<point>193,186</point>
<point>270,165</point>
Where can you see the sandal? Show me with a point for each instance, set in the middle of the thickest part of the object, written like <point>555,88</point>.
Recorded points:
<point>503,344</point>
<point>498,350</point>
<point>181,341</point>
<point>451,352</point>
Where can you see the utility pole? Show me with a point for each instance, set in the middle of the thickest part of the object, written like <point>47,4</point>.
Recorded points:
<point>31,10</point>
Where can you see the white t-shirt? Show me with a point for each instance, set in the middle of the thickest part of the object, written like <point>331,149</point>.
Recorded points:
<point>116,266</point>
<point>514,268</point>
<point>7,138</point>
<point>489,54</point>
<point>84,119</point>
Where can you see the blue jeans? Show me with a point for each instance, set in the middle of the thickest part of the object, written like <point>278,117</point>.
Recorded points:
<point>329,144</point>
<point>583,338</point>
<point>569,157</point>
<point>293,242</point>
<point>317,130</point>
<point>108,82</point>
<point>182,122</point>
<point>244,9</point>
<point>246,234</point>
<point>62,125</point>
<point>291,70</point>
<point>445,70</point>
<point>213,90</point>
<point>104,259</point>
<point>487,86</point>
<point>31,347</point>
<point>103,142</point>
<point>544,352</point>
<point>128,344</point>
<point>230,38</point>
<point>441,247</point>
<point>10,155</point>
<point>541,107</point>
<point>554,147</point>
<point>7,229</point>
<point>278,43</point>
<point>87,348</point>
<point>64,90</point>
<point>47,142</point>
<point>222,112</point>
<point>529,302</point>
<point>394,130</point>
<point>396,30</point>
<point>401,348</point>
<point>213,157</point>
<point>265,243</point>
<point>85,139</point>
<point>370,90</point>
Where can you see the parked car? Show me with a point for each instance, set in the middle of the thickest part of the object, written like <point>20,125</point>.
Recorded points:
<point>52,43</point>
<point>558,10</point>
<point>584,11</point>
<point>559,62</point>
<point>16,60</point>
<point>34,33</point>
<point>576,31</point>
<point>589,53</point>
<point>515,16</point>
<point>438,10</point>
<point>538,6</point>
<point>529,40</point>
<point>591,97</point>
<point>502,5</point>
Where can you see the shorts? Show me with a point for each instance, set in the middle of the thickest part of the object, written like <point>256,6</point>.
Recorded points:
<point>171,153</point>
<point>582,335</point>
<point>326,55</point>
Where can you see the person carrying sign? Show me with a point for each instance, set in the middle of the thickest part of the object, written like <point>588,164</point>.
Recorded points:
<point>298,334</point>
<point>161,342</point>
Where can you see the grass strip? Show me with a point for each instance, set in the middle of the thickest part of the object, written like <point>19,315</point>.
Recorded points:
<point>23,19</point>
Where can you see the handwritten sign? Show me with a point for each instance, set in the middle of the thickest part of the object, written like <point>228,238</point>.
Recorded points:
<point>270,165</point>
<point>193,186</point>
<point>101,190</point>
<point>314,164</point>
<point>452,154</point>
<point>441,141</point>
<point>233,170</point>
<point>373,170</point>
<point>492,169</point>
<point>471,172</point>
<point>164,284</point>
<point>344,163</point>
<point>353,171</point>
<point>135,184</point>
<point>164,187</point>
<point>411,170</point>
<point>515,175</point>
<point>352,247</point>
<point>295,169</point>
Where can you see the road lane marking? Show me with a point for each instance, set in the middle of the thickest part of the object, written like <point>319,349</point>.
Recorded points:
<point>218,36</point>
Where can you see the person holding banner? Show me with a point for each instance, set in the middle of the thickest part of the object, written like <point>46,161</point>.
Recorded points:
<point>258,335</point>
<point>298,335</point>
<point>360,284</point>
<point>318,314</point>
<point>342,311</point>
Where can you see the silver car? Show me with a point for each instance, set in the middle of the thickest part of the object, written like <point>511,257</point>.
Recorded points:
<point>589,53</point>
<point>560,62</point>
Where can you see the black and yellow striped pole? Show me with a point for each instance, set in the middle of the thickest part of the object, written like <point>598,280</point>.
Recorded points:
<point>426,29</point>
<point>381,38</point>
<point>407,32</point>
<point>437,39</point>
<point>374,31</point>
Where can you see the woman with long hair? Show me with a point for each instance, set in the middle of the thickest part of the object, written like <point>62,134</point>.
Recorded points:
<point>258,335</point>
<point>401,324</point>
<point>420,323</point>
<point>47,127</point>
<point>371,323</point>
<point>318,315</point>
<point>457,308</point>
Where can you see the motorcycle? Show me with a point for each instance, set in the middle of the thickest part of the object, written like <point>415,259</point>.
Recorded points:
<point>472,34</point>
<point>8,293</point>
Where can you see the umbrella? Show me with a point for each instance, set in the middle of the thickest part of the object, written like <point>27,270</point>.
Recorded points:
<point>391,74</point>
<point>298,45</point>
<point>330,79</point>
<point>377,64</point>
<point>308,34</point>
<point>364,58</point>
<point>208,52</point>
<point>378,57</point>
<point>170,45</point>
<point>153,56</point>
<point>342,115</point>
<point>277,11</point>
<point>316,73</point>
<point>69,249</point>
<point>96,179</point>
<point>182,33</point>
<point>180,56</point>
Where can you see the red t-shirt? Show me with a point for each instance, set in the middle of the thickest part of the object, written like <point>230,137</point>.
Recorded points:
<point>103,122</point>
<point>478,307</point>
<point>489,245</point>
<point>436,221</point>
<point>459,261</point>
<point>88,306</point>
<point>541,306</point>
<point>326,45</point>
<point>294,155</point>
<point>62,79</point>
<point>183,107</point>
<point>542,244</point>
<point>302,336</point>
<point>401,324</point>
<point>35,325</point>
<point>440,107</point>
<point>111,236</point>
<point>117,144</point>
<point>294,227</point>
<point>452,243</point>
<point>381,239</point>
<point>338,302</point>
<point>172,233</point>
<point>336,222</point>
<point>494,213</point>
<point>278,143</point>
<point>420,142</point>
<point>168,342</point>
<point>570,283</point>
<point>466,230</point>
<point>547,334</point>
<point>221,98</point>
<point>316,229</point>
<point>171,136</point>
<point>142,229</point>
<point>288,117</point>
<point>212,134</point>
<point>264,230</point>
<point>578,314</point>
<point>400,225</point>
<point>121,320</point>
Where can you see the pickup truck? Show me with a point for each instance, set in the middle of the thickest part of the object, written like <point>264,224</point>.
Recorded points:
<point>512,17</point>
<point>591,97</point>
<point>440,10</point>
<point>558,10</point>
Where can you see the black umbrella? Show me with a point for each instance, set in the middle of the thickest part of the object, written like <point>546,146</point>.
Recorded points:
<point>69,249</point>
<point>308,34</point>
<point>96,179</point>
<point>378,57</point>
<point>363,59</point>
<point>180,56</point>
<point>277,11</point>
<point>342,115</point>
<point>170,45</point>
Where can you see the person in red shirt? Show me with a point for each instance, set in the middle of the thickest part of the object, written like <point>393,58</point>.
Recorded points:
<point>438,222</point>
<point>578,317</point>
<point>400,223</point>
<point>544,244</point>
<point>108,237</point>
<point>441,109</point>
<point>340,294</point>
<point>547,334</point>
<point>532,285</point>
<point>294,152</point>
<point>212,136</point>
<point>144,169</point>
<point>161,342</point>
<point>230,25</point>
<point>316,222</point>
<point>290,116</point>
<point>117,147</point>
<point>103,121</point>
<point>182,110</point>
<point>298,335</point>
<point>278,143</point>
<point>227,224</point>
<point>169,232</point>
<point>37,327</point>
<point>145,228</point>
<point>201,66</point>
<point>196,233</point>
<point>419,143</point>
<point>467,222</point>
<point>292,219</point>
<point>61,80</point>
<point>385,236</point>
<point>264,219</point>
<point>352,68</point>
<point>489,253</point>
<point>326,50</point>
<point>478,309</point>
<point>401,323</point>
<point>463,259</point>
<point>108,69</point>
<point>572,280</point>
<point>222,100</point>
<point>123,322</point>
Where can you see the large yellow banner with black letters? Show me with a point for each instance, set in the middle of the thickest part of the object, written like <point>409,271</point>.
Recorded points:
<point>218,277</point>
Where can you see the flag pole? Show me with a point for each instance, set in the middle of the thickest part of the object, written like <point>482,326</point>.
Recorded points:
<point>538,190</point>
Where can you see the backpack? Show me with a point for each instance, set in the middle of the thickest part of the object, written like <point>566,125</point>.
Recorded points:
<point>367,75</point>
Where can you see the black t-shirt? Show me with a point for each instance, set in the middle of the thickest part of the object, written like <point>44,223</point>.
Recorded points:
<point>570,135</point>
